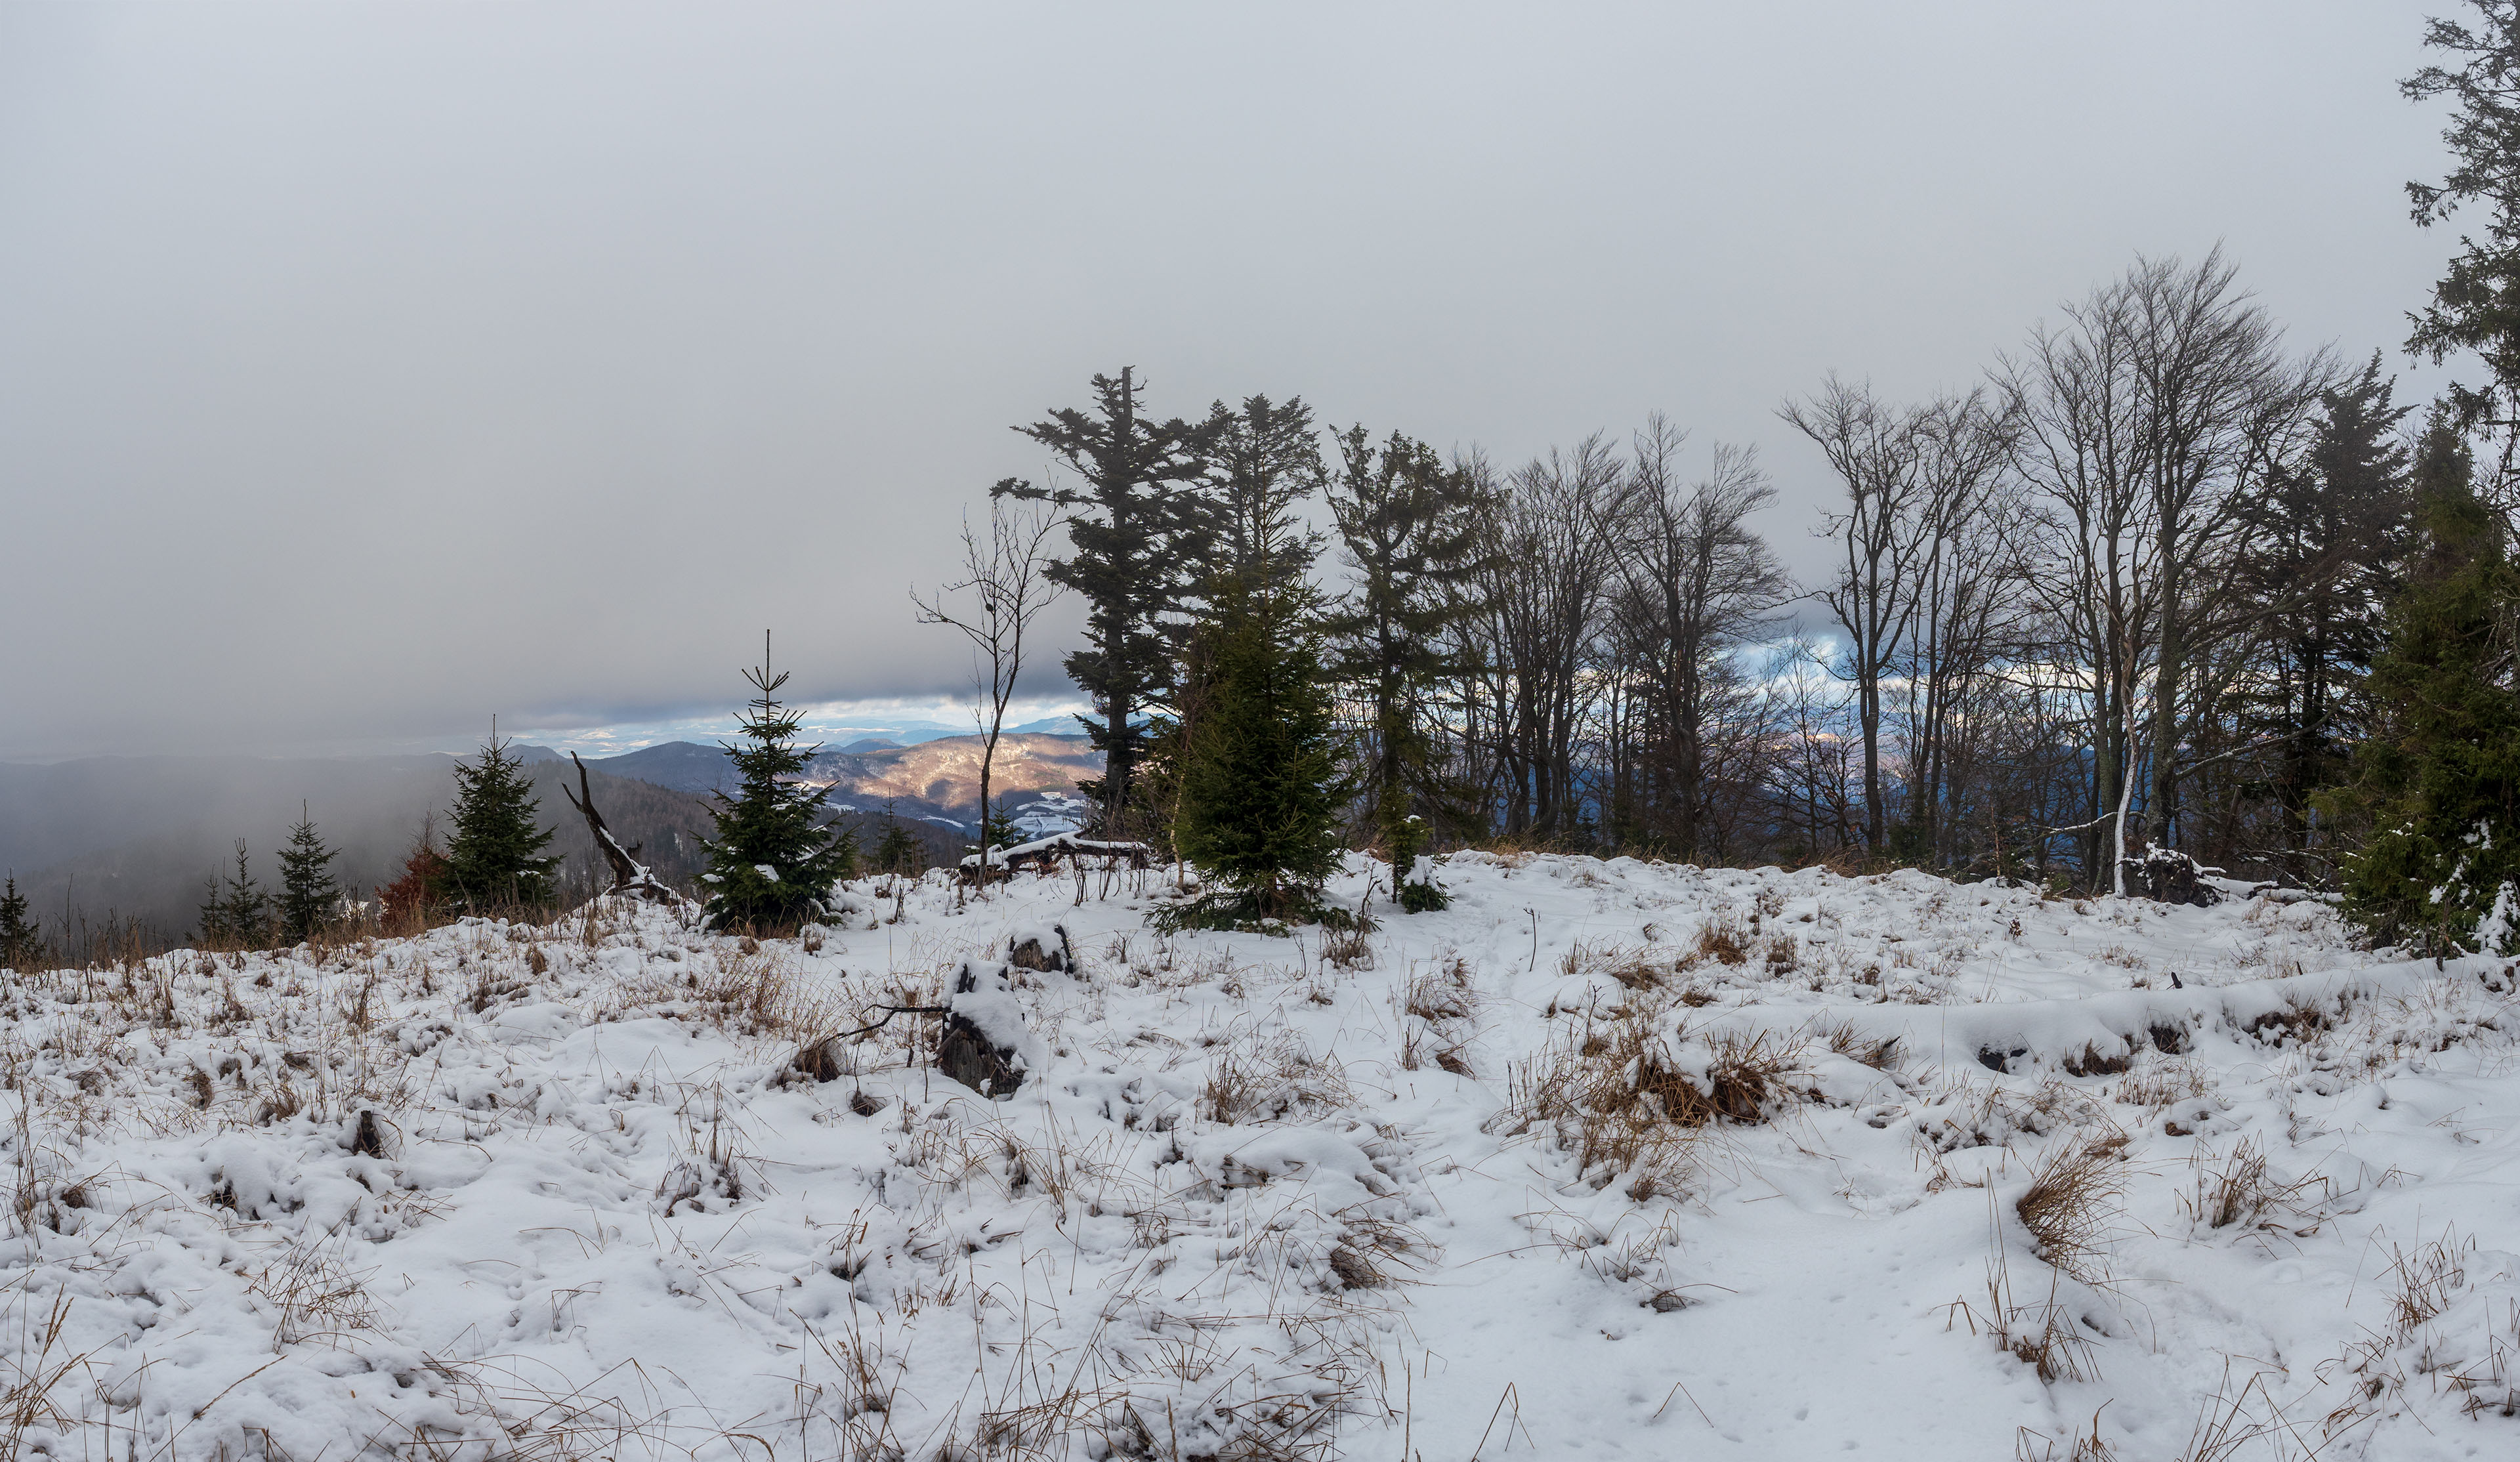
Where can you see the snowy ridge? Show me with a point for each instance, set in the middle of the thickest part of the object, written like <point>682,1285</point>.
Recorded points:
<point>1608,1159</point>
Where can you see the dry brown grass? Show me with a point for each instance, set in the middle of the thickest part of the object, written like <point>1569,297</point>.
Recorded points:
<point>2081,1447</point>
<point>1724,939</point>
<point>2242,1192</point>
<point>1881,1053</point>
<point>2161,1083</point>
<point>2040,1333</point>
<point>1261,1080</point>
<point>2071,1204</point>
<point>1613,1097</point>
<point>1347,949</point>
<point>1442,994</point>
<point>1633,967</point>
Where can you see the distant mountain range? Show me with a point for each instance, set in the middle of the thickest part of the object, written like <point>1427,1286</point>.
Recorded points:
<point>936,779</point>
<point>136,836</point>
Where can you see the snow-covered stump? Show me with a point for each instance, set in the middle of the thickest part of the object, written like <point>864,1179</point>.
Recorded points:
<point>2167,875</point>
<point>986,1044</point>
<point>1045,949</point>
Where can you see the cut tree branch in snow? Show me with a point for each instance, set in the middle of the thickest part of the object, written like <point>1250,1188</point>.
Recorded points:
<point>629,875</point>
<point>889,1012</point>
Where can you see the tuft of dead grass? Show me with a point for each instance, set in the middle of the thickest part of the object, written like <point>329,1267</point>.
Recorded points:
<point>2243,1192</point>
<point>2071,1204</point>
<point>1257,1080</point>
<point>1620,1101</point>
<point>1723,939</point>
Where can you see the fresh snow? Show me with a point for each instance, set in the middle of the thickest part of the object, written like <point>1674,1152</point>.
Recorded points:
<point>1277,1196</point>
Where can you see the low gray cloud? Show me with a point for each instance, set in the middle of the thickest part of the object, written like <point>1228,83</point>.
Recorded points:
<point>368,370</point>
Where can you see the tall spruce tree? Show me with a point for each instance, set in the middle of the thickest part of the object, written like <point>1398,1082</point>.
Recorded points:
<point>238,912</point>
<point>1268,460</point>
<point>1140,531</point>
<point>22,942</point>
<point>1260,795</point>
<point>2438,780</point>
<point>308,895</point>
<point>1408,526</point>
<point>494,856</point>
<point>2476,305</point>
<point>770,865</point>
<point>2326,542</point>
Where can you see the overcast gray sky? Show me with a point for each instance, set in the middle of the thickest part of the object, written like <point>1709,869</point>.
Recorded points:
<point>368,369</point>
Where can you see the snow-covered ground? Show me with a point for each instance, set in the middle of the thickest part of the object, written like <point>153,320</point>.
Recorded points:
<point>1607,1160</point>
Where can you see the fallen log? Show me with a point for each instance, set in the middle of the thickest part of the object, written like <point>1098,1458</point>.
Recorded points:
<point>1049,852</point>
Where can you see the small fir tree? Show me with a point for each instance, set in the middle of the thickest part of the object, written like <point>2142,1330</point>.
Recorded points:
<point>897,852</point>
<point>308,895</point>
<point>770,865</point>
<point>1414,888</point>
<point>998,826</point>
<point>1260,799</point>
<point>495,858</point>
<point>238,912</point>
<point>22,944</point>
<point>2439,781</point>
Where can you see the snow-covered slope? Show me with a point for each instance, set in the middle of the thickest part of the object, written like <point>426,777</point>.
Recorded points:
<point>1608,1159</point>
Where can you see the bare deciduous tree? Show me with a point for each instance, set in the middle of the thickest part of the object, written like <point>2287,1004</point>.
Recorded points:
<point>1007,586</point>
<point>1882,534</point>
<point>1699,583</point>
<point>1554,554</point>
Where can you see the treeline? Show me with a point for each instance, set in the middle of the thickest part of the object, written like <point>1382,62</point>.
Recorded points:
<point>2160,588</point>
<point>2125,588</point>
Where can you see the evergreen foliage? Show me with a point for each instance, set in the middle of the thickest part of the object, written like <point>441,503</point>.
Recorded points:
<point>1413,892</point>
<point>770,865</point>
<point>2325,545</point>
<point>308,895</point>
<point>1140,531</point>
<point>1408,526</point>
<point>22,944</point>
<point>1268,460</point>
<point>998,826</point>
<point>2439,781</point>
<point>1260,796</point>
<point>897,852</point>
<point>238,912</point>
<point>495,858</point>
<point>2476,305</point>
